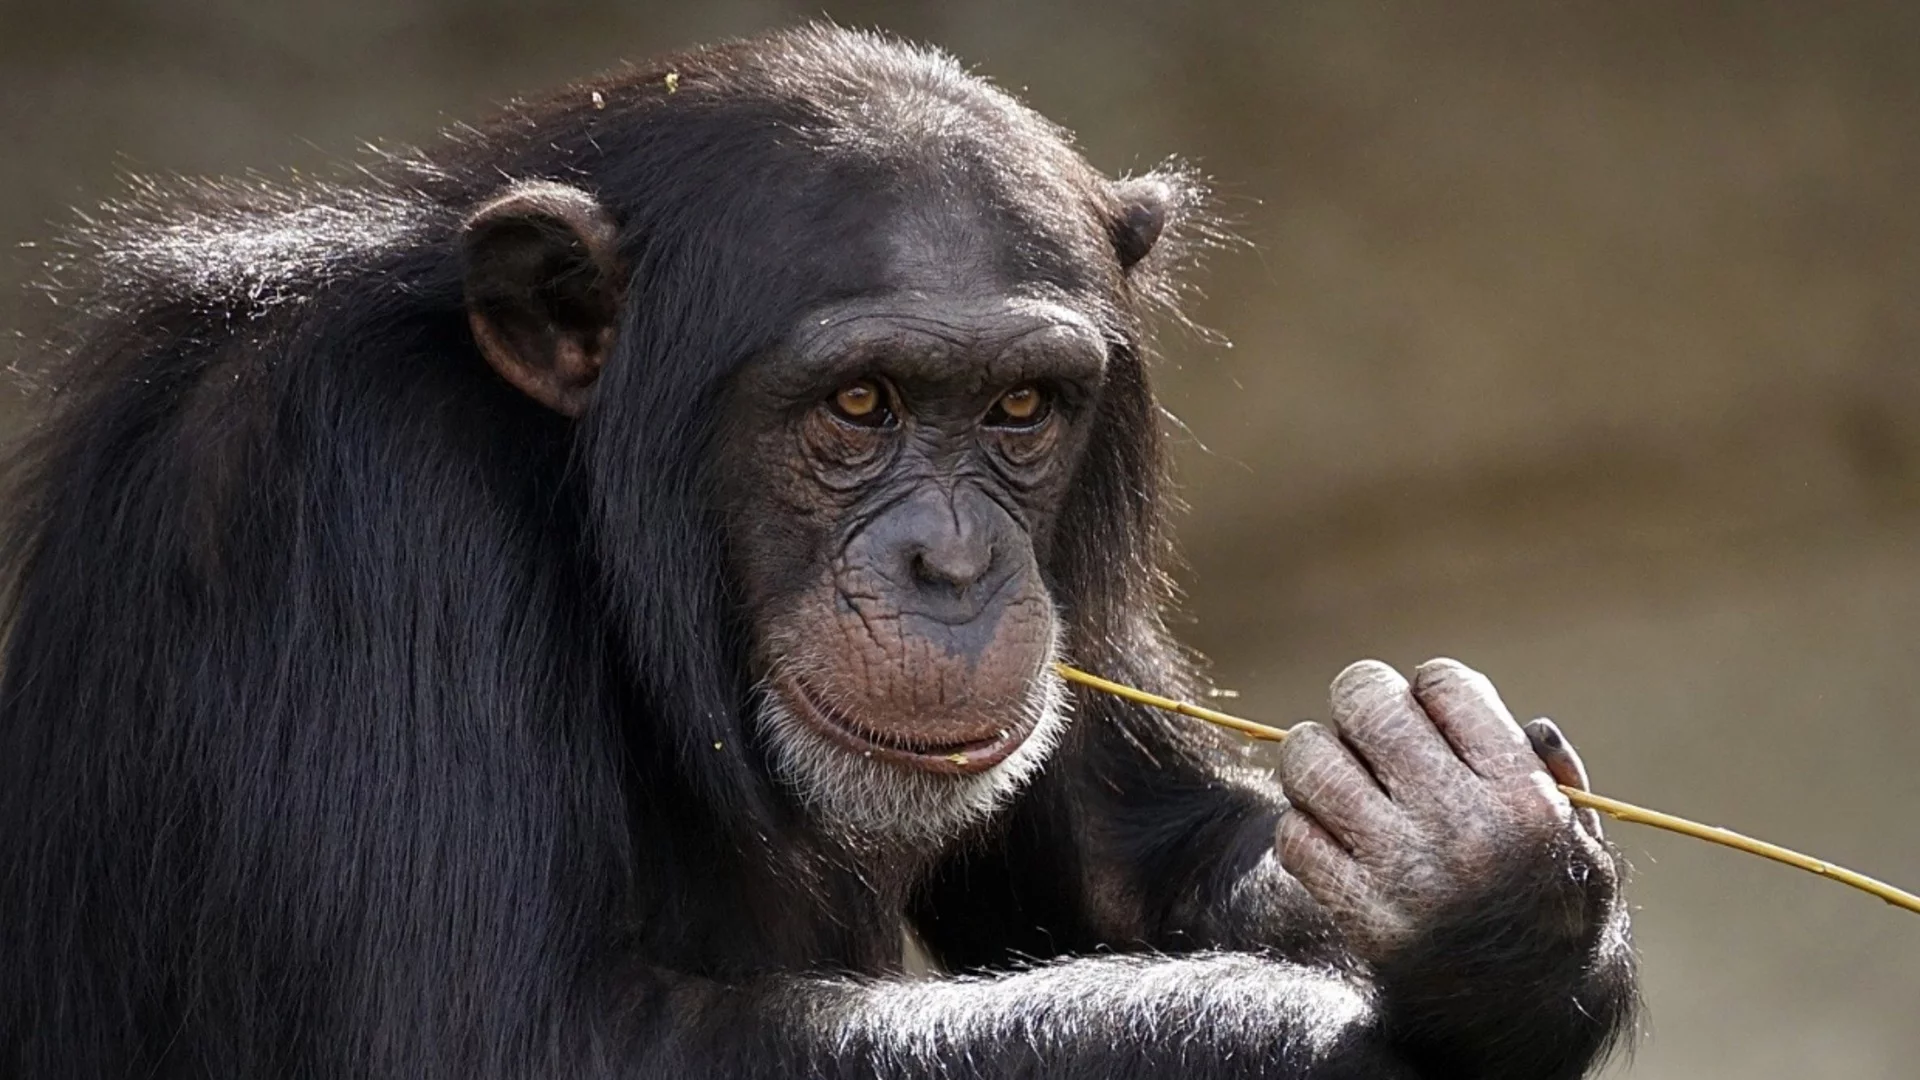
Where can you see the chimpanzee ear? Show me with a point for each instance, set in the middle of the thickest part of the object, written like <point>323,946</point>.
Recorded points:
<point>543,287</point>
<point>1142,206</point>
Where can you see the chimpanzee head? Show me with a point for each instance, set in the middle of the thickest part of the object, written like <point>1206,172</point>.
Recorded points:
<point>882,322</point>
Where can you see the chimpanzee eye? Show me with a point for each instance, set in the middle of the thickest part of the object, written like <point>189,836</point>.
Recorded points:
<point>1024,406</point>
<point>862,402</point>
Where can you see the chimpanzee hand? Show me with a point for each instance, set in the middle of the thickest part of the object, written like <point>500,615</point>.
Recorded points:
<point>1420,799</point>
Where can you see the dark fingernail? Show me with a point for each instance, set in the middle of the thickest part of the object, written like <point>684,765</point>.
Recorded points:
<point>1550,734</point>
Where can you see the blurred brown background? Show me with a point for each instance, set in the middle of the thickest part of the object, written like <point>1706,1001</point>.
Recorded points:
<point>1580,341</point>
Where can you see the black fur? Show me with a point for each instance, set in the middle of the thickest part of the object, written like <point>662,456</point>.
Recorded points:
<point>361,718</point>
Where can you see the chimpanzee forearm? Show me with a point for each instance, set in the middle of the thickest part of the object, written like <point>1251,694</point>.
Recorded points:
<point>1492,990</point>
<point>1207,1016</point>
<point>1180,858</point>
<point>1185,845</point>
<point>1108,853</point>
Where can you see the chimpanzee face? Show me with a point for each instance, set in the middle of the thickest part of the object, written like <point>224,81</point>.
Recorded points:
<point>889,476</point>
<point>907,456</point>
<point>893,480</point>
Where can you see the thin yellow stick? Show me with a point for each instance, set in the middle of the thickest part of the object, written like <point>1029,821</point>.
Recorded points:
<point>1614,808</point>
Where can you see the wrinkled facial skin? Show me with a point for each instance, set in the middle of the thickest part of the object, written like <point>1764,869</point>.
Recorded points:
<point>891,509</point>
<point>891,481</point>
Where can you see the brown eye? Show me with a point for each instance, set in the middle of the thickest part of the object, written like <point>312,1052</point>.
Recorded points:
<point>862,402</point>
<point>1024,406</point>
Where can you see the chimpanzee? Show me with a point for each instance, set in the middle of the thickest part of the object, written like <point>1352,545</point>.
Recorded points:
<point>572,602</point>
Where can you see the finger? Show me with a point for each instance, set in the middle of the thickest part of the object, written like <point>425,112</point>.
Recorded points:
<point>1561,759</point>
<point>1563,764</point>
<point>1467,709</point>
<point>1321,776</point>
<point>1376,713</point>
<point>1330,873</point>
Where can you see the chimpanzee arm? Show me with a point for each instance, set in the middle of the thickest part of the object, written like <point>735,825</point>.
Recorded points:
<point>1138,836</point>
<point>1114,1018</point>
<point>1147,835</point>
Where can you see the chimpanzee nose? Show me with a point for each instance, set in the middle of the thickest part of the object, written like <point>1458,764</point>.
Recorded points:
<point>946,544</point>
<point>957,564</point>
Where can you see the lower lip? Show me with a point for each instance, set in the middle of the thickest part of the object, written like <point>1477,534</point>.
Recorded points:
<point>961,759</point>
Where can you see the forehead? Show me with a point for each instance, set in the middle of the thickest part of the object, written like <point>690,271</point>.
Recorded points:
<point>961,273</point>
<point>965,288</point>
<point>982,245</point>
<point>935,208</point>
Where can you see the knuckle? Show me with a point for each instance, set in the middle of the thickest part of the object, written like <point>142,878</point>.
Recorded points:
<point>1314,786</point>
<point>1363,683</point>
<point>1319,764</point>
<point>1442,671</point>
<point>1457,689</point>
<point>1294,838</point>
<point>1307,742</point>
<point>1384,720</point>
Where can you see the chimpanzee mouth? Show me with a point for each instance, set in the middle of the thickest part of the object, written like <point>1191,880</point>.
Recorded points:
<point>958,758</point>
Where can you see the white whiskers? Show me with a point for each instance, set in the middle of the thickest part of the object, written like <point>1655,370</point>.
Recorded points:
<point>868,800</point>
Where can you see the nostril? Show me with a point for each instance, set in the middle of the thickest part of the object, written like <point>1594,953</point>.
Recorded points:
<point>951,569</point>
